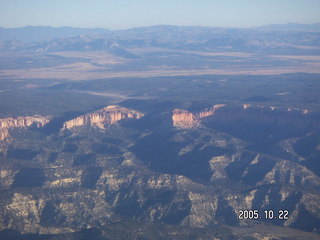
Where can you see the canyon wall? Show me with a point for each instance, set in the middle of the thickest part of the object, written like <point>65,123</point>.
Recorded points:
<point>37,121</point>
<point>103,118</point>
<point>184,119</point>
<point>255,114</point>
<point>20,122</point>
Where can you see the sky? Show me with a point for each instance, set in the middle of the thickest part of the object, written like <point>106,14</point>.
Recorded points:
<point>122,14</point>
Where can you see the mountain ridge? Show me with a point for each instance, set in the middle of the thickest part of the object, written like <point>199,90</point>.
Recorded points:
<point>41,33</point>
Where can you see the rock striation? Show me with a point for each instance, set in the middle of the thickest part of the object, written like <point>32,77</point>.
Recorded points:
<point>103,117</point>
<point>184,119</point>
<point>20,122</point>
<point>38,121</point>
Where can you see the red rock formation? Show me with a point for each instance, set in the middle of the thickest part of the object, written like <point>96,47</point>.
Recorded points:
<point>4,133</point>
<point>184,119</point>
<point>37,121</point>
<point>103,118</point>
<point>8,123</point>
<point>210,111</point>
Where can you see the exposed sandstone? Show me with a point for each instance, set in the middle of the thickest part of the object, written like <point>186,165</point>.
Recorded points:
<point>37,121</point>
<point>103,118</point>
<point>210,111</point>
<point>20,122</point>
<point>4,134</point>
<point>185,120</point>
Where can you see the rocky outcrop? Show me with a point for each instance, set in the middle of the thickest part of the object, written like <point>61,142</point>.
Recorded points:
<point>210,111</point>
<point>103,118</point>
<point>4,134</point>
<point>185,120</point>
<point>20,122</point>
<point>38,121</point>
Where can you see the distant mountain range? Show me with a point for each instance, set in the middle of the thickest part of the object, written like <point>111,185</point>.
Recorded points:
<point>45,33</point>
<point>293,27</point>
<point>271,39</point>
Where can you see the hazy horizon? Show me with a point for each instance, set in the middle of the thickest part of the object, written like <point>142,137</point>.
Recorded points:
<point>160,25</point>
<point>117,15</point>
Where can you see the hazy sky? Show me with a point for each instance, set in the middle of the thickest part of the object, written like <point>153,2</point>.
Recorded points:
<point>119,14</point>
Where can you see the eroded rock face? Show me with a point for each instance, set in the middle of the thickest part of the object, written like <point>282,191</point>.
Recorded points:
<point>210,112</point>
<point>4,134</point>
<point>8,123</point>
<point>38,121</point>
<point>185,120</point>
<point>103,118</point>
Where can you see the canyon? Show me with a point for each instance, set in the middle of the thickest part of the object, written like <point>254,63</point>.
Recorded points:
<point>156,173</point>
<point>161,132</point>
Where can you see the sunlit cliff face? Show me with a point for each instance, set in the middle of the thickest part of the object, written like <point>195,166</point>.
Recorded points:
<point>4,134</point>
<point>185,120</point>
<point>37,121</point>
<point>8,123</point>
<point>103,118</point>
<point>210,111</point>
